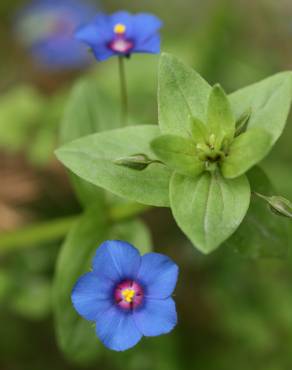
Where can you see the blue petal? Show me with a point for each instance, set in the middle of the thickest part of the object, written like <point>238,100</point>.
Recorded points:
<point>145,26</point>
<point>123,18</point>
<point>158,273</point>
<point>117,329</point>
<point>92,295</point>
<point>156,317</point>
<point>117,260</point>
<point>102,53</point>
<point>96,33</point>
<point>151,45</point>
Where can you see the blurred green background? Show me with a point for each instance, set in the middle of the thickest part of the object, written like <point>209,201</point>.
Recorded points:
<point>234,311</point>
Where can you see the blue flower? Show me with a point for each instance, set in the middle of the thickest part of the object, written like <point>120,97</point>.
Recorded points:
<point>121,33</point>
<point>126,295</point>
<point>46,29</point>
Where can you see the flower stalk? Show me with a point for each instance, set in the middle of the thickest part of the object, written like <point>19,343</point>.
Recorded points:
<point>124,92</point>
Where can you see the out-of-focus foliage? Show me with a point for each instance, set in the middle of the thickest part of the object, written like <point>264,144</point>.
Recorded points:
<point>234,311</point>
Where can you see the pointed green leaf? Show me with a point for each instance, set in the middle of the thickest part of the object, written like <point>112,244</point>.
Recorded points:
<point>220,119</point>
<point>245,151</point>
<point>208,208</point>
<point>92,158</point>
<point>88,111</point>
<point>199,130</point>
<point>178,154</point>
<point>261,234</point>
<point>182,93</point>
<point>269,101</point>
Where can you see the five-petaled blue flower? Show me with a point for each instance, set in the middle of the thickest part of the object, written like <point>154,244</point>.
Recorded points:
<point>121,33</point>
<point>127,295</point>
<point>46,29</point>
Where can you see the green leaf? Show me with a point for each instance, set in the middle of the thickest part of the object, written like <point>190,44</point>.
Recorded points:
<point>76,336</point>
<point>178,153</point>
<point>182,93</point>
<point>261,234</point>
<point>208,208</point>
<point>88,111</point>
<point>92,158</point>
<point>199,131</point>
<point>245,151</point>
<point>269,101</point>
<point>220,119</point>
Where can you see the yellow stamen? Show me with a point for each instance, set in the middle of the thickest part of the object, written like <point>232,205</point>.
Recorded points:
<point>120,28</point>
<point>128,295</point>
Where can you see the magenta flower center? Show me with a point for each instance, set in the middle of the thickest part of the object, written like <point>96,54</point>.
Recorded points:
<point>120,44</point>
<point>128,294</point>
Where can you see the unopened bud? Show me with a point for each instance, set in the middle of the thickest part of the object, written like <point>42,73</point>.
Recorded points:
<point>280,206</point>
<point>136,162</point>
<point>242,123</point>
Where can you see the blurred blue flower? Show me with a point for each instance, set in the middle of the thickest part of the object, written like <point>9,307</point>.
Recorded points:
<point>46,28</point>
<point>127,295</point>
<point>121,33</point>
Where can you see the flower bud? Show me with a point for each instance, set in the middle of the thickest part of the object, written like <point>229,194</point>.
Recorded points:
<point>242,123</point>
<point>280,206</point>
<point>136,162</point>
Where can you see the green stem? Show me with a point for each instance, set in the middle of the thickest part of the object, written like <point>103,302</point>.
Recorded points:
<point>58,228</point>
<point>36,234</point>
<point>124,94</point>
<point>260,195</point>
